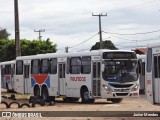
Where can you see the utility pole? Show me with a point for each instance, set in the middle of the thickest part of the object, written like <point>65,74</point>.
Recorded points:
<point>100,29</point>
<point>17,36</point>
<point>39,31</point>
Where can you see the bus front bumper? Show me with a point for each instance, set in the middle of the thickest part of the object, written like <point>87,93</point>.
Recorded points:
<point>110,94</point>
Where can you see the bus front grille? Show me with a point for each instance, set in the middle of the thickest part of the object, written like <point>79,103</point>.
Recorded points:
<point>121,94</point>
<point>120,85</point>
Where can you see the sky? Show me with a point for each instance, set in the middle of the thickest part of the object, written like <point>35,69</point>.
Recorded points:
<point>69,23</point>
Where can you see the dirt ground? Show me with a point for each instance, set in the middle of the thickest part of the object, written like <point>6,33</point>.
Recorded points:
<point>128,104</point>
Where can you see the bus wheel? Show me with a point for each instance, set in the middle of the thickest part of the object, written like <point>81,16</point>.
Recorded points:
<point>66,99</point>
<point>45,93</point>
<point>85,96</point>
<point>116,100</point>
<point>37,91</point>
<point>91,100</point>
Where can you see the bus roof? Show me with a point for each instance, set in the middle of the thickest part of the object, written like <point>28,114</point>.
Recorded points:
<point>60,55</point>
<point>7,62</point>
<point>152,45</point>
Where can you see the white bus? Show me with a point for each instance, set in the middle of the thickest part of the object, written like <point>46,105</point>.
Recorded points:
<point>141,60</point>
<point>153,73</point>
<point>0,85</point>
<point>7,75</point>
<point>107,74</point>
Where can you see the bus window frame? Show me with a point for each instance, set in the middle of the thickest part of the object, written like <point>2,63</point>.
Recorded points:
<point>17,67</point>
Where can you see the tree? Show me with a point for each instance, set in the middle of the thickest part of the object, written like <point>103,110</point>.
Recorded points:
<point>7,48</point>
<point>105,45</point>
<point>4,34</point>
<point>37,47</point>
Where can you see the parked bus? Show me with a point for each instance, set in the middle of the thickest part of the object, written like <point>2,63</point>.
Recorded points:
<point>7,75</point>
<point>141,60</point>
<point>153,73</point>
<point>100,74</point>
<point>0,84</point>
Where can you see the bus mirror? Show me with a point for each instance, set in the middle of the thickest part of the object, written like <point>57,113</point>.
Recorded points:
<point>102,68</point>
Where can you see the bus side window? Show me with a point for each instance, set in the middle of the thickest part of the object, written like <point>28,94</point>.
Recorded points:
<point>155,67</point>
<point>149,60</point>
<point>19,67</point>
<point>143,68</point>
<point>139,68</point>
<point>86,65</point>
<point>75,65</point>
<point>35,66</point>
<point>53,64</point>
<point>7,69</point>
<point>68,66</point>
<point>159,66</point>
<point>44,66</point>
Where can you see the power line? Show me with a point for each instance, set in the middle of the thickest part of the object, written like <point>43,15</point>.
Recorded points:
<point>133,33</point>
<point>155,38</point>
<point>83,41</point>
<point>139,6</point>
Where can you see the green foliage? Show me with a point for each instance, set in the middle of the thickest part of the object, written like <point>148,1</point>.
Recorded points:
<point>7,48</point>
<point>4,34</point>
<point>105,45</point>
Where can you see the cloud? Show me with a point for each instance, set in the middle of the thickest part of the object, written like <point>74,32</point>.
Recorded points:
<point>70,22</point>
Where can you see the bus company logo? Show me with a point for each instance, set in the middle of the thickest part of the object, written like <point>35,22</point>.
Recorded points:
<point>78,78</point>
<point>6,114</point>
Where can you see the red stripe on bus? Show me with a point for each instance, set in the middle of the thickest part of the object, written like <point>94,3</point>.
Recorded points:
<point>40,78</point>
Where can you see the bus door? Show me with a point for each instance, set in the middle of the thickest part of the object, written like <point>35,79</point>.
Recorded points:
<point>27,80</point>
<point>62,79</point>
<point>12,75</point>
<point>156,79</point>
<point>96,79</point>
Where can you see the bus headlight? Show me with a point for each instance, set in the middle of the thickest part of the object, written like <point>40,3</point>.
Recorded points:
<point>136,87</point>
<point>107,88</point>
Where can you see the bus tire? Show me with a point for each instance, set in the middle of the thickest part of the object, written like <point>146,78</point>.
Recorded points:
<point>116,100</point>
<point>52,98</point>
<point>85,96</point>
<point>32,99</point>
<point>13,97</point>
<point>91,100</point>
<point>14,103</point>
<point>51,103</point>
<point>37,91</point>
<point>39,102</point>
<point>45,94</point>
<point>25,104</point>
<point>7,106</point>
<point>66,99</point>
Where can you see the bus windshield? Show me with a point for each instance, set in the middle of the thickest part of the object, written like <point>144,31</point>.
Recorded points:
<point>120,71</point>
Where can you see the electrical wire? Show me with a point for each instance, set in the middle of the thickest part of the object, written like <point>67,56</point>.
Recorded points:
<point>133,33</point>
<point>149,39</point>
<point>83,41</point>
